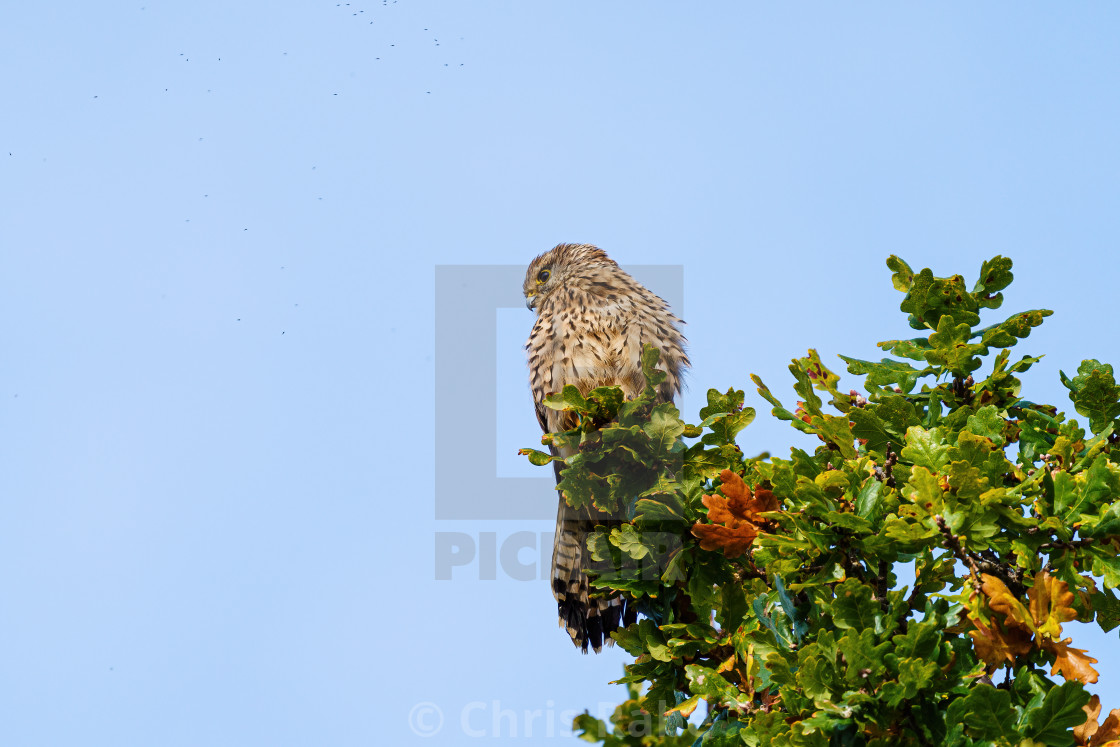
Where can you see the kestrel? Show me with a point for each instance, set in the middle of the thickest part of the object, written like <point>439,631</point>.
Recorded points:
<point>592,319</point>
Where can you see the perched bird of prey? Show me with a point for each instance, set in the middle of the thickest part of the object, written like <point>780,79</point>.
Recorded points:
<point>592,319</point>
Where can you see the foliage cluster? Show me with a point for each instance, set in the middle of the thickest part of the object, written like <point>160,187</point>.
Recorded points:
<point>771,587</point>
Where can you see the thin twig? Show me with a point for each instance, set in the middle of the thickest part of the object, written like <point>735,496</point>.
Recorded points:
<point>954,545</point>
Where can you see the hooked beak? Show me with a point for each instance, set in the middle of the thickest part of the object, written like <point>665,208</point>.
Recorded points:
<point>530,301</point>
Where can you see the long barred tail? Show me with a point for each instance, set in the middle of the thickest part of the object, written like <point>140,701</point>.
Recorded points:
<point>588,620</point>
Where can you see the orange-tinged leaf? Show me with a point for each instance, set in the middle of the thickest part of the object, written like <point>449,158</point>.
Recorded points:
<point>996,646</point>
<point>718,510</point>
<point>1050,604</point>
<point>1001,600</point>
<point>740,500</point>
<point>733,540</point>
<point>733,520</point>
<point>1073,663</point>
<point>1083,733</point>
<point>1109,733</point>
<point>1010,632</point>
<point>1089,734</point>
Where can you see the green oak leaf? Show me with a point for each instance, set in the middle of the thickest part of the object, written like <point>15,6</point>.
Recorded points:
<point>1007,333</point>
<point>925,448</point>
<point>988,423</point>
<point>629,540</point>
<point>986,713</point>
<point>731,401</point>
<point>1060,710</point>
<point>538,458</point>
<point>995,275</point>
<point>855,608</point>
<point>664,426</point>
<point>952,349</point>
<point>870,499</point>
<point>901,274</point>
<point>1094,393</point>
<point>888,372</point>
<point>725,426</point>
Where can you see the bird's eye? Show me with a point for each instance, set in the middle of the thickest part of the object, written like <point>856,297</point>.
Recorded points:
<point>542,276</point>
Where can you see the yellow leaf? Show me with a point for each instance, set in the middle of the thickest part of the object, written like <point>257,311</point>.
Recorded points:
<point>1001,600</point>
<point>1050,604</point>
<point>687,707</point>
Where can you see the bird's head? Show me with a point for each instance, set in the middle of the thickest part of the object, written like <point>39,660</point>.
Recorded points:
<point>563,266</point>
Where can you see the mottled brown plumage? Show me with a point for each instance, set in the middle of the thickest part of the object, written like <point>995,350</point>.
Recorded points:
<point>592,319</point>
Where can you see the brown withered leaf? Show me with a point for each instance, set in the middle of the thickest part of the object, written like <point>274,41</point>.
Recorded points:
<point>733,517</point>
<point>1083,733</point>
<point>996,645</point>
<point>1090,734</point>
<point>1073,663</point>
<point>1109,733</point>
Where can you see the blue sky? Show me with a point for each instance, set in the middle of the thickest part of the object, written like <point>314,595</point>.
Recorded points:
<point>220,226</point>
